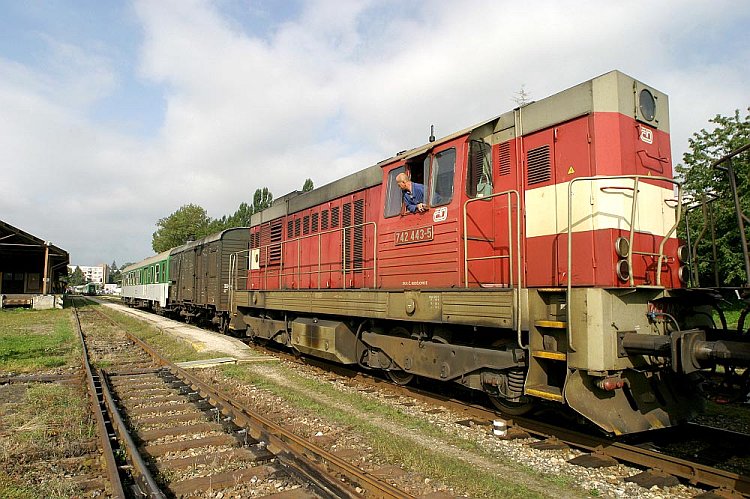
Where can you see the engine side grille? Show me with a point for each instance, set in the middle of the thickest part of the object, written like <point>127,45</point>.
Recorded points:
<point>347,246</point>
<point>503,153</point>
<point>276,235</point>
<point>539,168</point>
<point>359,234</point>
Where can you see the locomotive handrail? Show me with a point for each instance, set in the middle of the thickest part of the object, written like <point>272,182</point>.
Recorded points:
<point>517,289</point>
<point>633,212</point>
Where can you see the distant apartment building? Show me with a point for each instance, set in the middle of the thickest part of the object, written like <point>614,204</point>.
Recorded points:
<point>97,274</point>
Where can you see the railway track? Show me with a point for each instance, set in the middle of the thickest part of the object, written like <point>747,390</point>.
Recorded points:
<point>182,437</point>
<point>654,452</point>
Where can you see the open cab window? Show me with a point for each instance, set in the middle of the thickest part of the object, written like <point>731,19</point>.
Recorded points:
<point>435,172</point>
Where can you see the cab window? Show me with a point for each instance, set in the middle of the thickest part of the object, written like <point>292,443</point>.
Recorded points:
<point>443,169</point>
<point>479,174</point>
<point>393,198</point>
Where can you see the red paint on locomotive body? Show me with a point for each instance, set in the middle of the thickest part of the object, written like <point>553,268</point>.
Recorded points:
<point>351,242</point>
<point>555,221</point>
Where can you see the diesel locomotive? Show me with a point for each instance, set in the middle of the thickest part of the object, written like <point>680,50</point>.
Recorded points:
<point>546,266</point>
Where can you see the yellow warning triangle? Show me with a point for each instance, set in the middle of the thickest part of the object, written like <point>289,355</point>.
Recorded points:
<point>571,171</point>
<point>649,173</point>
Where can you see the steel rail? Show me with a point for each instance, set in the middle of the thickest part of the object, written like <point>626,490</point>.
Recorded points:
<point>694,473</point>
<point>294,451</point>
<point>113,473</point>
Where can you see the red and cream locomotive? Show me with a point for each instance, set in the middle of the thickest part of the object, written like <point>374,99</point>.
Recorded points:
<point>545,267</point>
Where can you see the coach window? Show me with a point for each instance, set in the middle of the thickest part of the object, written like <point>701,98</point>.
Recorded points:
<point>158,273</point>
<point>443,169</point>
<point>393,198</point>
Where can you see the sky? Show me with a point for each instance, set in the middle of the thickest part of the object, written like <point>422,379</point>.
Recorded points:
<point>115,114</point>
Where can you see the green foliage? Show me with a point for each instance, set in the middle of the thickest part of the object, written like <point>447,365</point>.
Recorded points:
<point>701,181</point>
<point>76,278</point>
<point>308,185</point>
<point>262,199</point>
<point>188,223</point>
<point>114,274</point>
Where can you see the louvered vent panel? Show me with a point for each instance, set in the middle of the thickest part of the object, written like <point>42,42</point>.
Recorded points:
<point>290,228</point>
<point>315,217</point>
<point>503,159</point>
<point>265,240</point>
<point>276,235</point>
<point>306,225</point>
<point>348,234</point>
<point>296,227</point>
<point>334,217</point>
<point>359,234</point>
<point>324,220</point>
<point>538,163</point>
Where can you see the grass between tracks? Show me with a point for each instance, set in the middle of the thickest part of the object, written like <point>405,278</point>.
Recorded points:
<point>35,340</point>
<point>391,445</point>
<point>42,425</point>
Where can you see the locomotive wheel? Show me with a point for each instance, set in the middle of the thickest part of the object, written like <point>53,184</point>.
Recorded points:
<point>400,377</point>
<point>511,407</point>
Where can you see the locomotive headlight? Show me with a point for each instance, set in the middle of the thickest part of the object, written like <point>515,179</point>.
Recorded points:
<point>647,105</point>
<point>682,253</point>
<point>622,247</point>
<point>623,270</point>
<point>683,274</point>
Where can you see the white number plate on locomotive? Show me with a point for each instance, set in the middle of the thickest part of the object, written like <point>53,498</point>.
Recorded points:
<point>414,235</point>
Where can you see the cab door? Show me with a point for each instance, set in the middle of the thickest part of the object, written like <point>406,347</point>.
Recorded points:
<point>420,250</point>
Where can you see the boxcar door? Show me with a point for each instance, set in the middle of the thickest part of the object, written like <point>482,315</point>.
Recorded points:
<point>212,275</point>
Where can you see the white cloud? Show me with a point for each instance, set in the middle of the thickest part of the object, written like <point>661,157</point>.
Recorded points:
<point>340,87</point>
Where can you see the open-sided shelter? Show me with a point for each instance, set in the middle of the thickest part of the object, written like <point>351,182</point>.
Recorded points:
<point>30,269</point>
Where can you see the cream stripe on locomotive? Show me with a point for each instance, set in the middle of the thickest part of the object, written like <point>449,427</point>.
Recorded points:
<point>599,205</point>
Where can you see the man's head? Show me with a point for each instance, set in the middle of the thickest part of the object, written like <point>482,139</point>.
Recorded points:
<point>403,182</point>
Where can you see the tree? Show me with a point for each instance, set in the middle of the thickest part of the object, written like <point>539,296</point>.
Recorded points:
<point>77,278</point>
<point>308,185</point>
<point>727,135</point>
<point>114,276</point>
<point>241,217</point>
<point>262,199</point>
<point>187,223</point>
